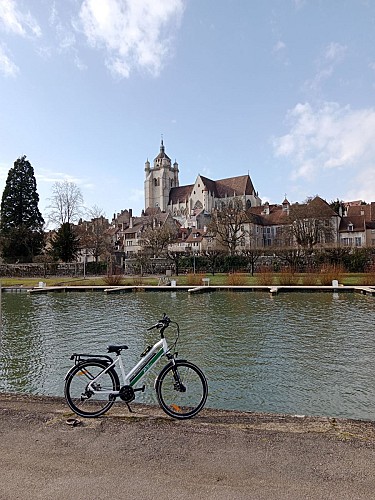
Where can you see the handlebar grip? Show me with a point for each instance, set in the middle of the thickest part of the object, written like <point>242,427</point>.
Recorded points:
<point>162,323</point>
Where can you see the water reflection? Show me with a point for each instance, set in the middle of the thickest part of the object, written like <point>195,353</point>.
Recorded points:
<point>294,353</point>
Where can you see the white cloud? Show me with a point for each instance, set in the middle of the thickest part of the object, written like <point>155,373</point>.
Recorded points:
<point>333,55</point>
<point>280,45</point>
<point>335,52</point>
<point>17,22</point>
<point>49,177</point>
<point>133,34</point>
<point>331,137</point>
<point>7,66</point>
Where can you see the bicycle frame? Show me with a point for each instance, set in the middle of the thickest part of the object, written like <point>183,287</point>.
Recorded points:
<point>137,372</point>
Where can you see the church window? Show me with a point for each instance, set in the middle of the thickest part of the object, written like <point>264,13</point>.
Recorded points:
<point>155,182</point>
<point>248,204</point>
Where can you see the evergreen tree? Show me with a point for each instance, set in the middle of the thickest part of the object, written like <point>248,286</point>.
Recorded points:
<point>21,225</point>
<point>65,244</point>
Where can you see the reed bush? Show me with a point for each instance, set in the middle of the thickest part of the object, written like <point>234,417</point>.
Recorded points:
<point>138,280</point>
<point>287,277</point>
<point>329,273</point>
<point>369,278</point>
<point>265,276</point>
<point>113,279</point>
<point>310,278</point>
<point>235,279</point>
<point>194,279</point>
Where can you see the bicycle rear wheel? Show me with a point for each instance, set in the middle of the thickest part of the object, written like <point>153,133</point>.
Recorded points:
<point>83,401</point>
<point>181,389</point>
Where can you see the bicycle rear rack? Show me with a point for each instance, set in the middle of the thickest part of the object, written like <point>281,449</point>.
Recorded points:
<point>82,357</point>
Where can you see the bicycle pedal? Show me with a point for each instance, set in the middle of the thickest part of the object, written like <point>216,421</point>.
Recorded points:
<point>140,389</point>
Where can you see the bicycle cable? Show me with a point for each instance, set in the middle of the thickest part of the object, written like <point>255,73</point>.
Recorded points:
<point>174,345</point>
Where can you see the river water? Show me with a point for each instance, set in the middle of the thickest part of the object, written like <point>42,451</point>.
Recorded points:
<point>297,353</point>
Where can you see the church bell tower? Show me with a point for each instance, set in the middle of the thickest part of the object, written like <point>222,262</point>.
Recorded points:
<point>159,180</point>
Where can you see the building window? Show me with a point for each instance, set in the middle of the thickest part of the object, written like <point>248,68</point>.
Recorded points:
<point>347,242</point>
<point>358,242</point>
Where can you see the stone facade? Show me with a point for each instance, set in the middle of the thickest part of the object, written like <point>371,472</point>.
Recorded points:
<point>162,190</point>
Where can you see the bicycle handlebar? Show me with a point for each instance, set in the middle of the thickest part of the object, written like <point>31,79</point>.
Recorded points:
<point>162,323</point>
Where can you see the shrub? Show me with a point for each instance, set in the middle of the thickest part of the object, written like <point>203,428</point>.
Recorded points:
<point>329,273</point>
<point>265,276</point>
<point>287,277</point>
<point>311,278</point>
<point>369,277</point>
<point>137,280</point>
<point>194,279</point>
<point>113,280</point>
<point>235,279</point>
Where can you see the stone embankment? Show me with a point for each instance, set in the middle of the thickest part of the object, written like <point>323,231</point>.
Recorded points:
<point>47,453</point>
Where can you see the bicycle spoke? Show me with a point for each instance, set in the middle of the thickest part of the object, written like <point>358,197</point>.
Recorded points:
<point>81,398</point>
<point>182,391</point>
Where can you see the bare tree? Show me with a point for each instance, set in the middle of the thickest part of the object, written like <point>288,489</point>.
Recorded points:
<point>227,224</point>
<point>311,223</point>
<point>66,203</point>
<point>156,240</point>
<point>251,255</point>
<point>93,238</point>
<point>213,258</point>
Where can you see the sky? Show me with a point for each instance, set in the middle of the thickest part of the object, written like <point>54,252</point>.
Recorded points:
<point>281,89</point>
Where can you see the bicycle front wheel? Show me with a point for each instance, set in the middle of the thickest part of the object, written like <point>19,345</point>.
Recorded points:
<point>80,398</point>
<point>181,389</point>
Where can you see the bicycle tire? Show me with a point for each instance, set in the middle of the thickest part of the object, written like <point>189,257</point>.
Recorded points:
<point>184,401</point>
<point>82,402</point>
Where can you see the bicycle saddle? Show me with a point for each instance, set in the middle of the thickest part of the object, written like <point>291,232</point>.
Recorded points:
<point>116,348</point>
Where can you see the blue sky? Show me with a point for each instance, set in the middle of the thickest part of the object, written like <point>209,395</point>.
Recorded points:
<point>282,89</point>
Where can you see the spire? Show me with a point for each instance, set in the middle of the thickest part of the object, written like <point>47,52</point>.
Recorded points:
<point>162,149</point>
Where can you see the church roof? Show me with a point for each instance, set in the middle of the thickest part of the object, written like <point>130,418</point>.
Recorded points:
<point>180,193</point>
<point>232,186</point>
<point>239,186</point>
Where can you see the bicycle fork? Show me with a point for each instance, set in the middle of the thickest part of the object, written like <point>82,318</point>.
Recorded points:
<point>178,384</point>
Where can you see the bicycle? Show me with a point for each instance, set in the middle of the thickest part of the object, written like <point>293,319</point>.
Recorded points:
<point>92,385</point>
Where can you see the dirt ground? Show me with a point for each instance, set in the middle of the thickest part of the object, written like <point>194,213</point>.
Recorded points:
<point>147,455</point>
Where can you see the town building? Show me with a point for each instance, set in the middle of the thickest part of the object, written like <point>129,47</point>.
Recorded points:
<point>163,191</point>
<point>189,209</point>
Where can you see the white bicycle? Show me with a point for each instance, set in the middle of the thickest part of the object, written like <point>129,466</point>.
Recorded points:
<point>92,385</point>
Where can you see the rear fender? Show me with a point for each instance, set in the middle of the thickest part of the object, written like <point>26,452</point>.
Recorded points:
<point>103,362</point>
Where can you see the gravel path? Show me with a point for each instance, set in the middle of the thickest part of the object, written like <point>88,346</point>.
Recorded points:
<point>147,455</point>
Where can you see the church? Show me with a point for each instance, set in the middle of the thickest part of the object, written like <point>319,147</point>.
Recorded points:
<point>163,191</point>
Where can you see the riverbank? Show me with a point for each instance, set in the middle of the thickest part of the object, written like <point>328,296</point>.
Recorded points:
<point>145,454</point>
<point>190,280</point>
<point>271,289</point>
